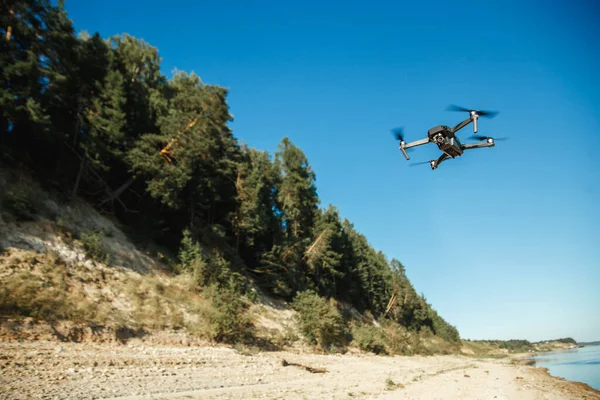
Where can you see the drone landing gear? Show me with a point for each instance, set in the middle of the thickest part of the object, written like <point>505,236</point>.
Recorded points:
<point>433,163</point>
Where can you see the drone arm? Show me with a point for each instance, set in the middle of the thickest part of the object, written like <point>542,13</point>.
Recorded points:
<point>404,146</point>
<point>465,123</point>
<point>416,143</point>
<point>440,160</point>
<point>479,145</point>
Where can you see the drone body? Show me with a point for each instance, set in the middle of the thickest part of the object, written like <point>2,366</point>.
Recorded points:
<point>446,140</point>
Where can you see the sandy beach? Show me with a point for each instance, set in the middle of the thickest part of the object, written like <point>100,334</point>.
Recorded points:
<point>49,369</point>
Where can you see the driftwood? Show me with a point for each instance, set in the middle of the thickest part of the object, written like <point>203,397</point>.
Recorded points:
<point>309,369</point>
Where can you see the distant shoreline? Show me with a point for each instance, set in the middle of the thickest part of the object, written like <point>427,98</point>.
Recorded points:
<point>576,384</point>
<point>529,360</point>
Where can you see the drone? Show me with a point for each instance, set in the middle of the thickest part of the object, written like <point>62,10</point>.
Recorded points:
<point>446,140</point>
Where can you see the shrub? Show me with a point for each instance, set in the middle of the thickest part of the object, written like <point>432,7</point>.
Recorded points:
<point>189,250</point>
<point>566,340</point>
<point>445,330</point>
<point>228,321</point>
<point>320,321</point>
<point>399,340</point>
<point>369,338</point>
<point>20,203</point>
<point>93,246</point>
<point>516,345</point>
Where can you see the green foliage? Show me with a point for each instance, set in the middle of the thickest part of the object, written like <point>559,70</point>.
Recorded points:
<point>320,321</point>
<point>228,321</point>
<point>19,202</point>
<point>567,340</point>
<point>106,121</point>
<point>213,269</point>
<point>325,255</point>
<point>370,338</point>
<point>203,161</point>
<point>516,345</point>
<point>189,251</point>
<point>209,268</point>
<point>444,329</point>
<point>500,348</point>
<point>297,191</point>
<point>394,339</point>
<point>255,225</point>
<point>93,244</point>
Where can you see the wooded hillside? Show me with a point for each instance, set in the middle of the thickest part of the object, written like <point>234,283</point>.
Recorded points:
<point>96,118</point>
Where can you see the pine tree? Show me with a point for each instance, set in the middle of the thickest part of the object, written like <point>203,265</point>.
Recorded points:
<point>256,224</point>
<point>61,70</point>
<point>191,164</point>
<point>145,87</point>
<point>22,25</point>
<point>324,255</point>
<point>297,192</point>
<point>298,202</point>
<point>106,121</point>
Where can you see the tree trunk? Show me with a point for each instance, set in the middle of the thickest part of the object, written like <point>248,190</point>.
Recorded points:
<point>9,28</point>
<point>79,174</point>
<point>77,122</point>
<point>192,210</point>
<point>119,191</point>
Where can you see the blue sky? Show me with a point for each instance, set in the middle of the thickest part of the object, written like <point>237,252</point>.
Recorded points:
<point>500,241</point>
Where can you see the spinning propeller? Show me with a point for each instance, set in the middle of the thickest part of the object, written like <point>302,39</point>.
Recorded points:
<point>399,135</point>
<point>479,137</point>
<point>416,164</point>
<point>481,113</point>
<point>475,114</point>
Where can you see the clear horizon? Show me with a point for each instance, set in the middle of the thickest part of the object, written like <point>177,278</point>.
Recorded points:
<point>501,240</point>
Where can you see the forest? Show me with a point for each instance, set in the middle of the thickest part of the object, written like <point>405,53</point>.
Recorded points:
<point>95,118</point>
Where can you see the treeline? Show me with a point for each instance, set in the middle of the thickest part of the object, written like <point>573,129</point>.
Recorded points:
<point>567,340</point>
<point>521,345</point>
<point>510,345</point>
<point>96,118</point>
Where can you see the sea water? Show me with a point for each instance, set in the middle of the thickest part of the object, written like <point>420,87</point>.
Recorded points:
<point>580,365</point>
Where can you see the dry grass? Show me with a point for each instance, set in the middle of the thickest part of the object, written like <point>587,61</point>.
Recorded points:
<point>393,339</point>
<point>54,266</point>
<point>44,287</point>
<point>482,350</point>
<point>41,287</point>
<point>172,303</point>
